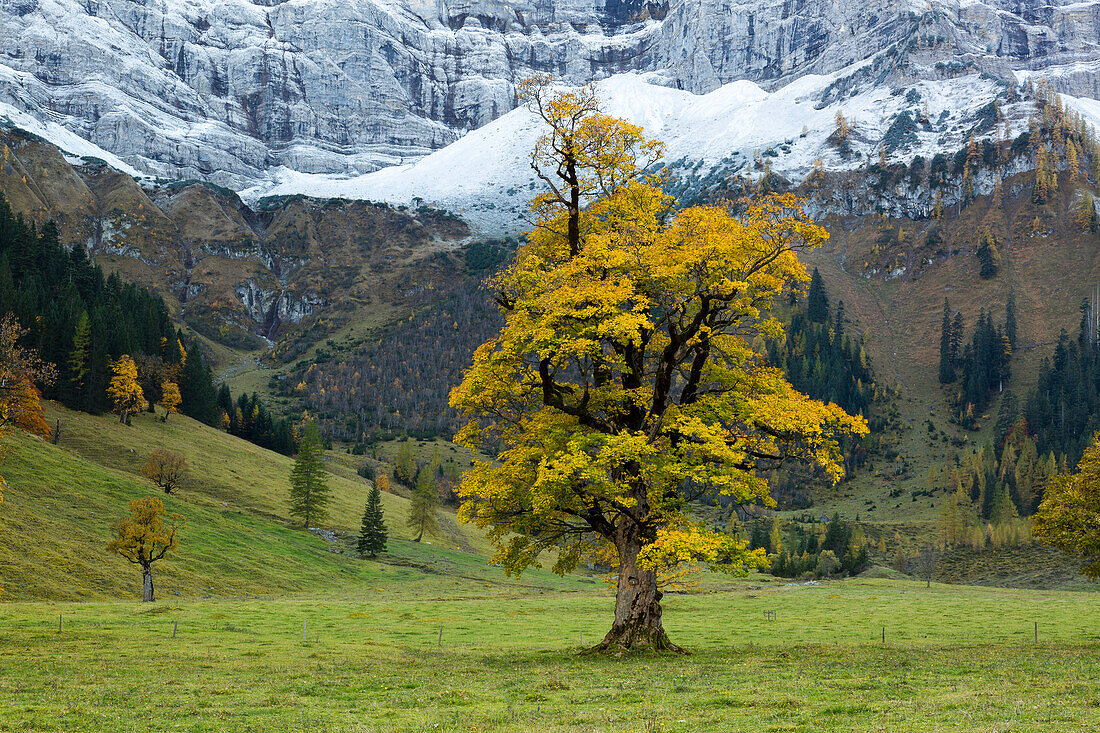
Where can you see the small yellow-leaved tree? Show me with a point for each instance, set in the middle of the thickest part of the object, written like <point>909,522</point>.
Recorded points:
<point>124,391</point>
<point>170,398</point>
<point>166,468</point>
<point>627,381</point>
<point>1069,516</point>
<point>144,537</point>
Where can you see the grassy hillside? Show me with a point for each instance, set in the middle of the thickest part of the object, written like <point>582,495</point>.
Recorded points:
<point>61,502</point>
<point>1050,271</point>
<point>229,472</point>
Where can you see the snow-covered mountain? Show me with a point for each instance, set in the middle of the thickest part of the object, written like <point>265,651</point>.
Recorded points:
<point>485,176</point>
<point>229,90</point>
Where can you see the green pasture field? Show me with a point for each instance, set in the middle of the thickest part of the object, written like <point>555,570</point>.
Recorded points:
<point>956,658</point>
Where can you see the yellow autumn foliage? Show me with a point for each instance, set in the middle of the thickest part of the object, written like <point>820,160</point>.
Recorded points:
<point>627,382</point>
<point>170,398</point>
<point>144,537</point>
<point>123,390</point>
<point>1069,516</point>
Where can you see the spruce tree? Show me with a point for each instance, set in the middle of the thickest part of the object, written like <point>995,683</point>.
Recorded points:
<point>78,357</point>
<point>1010,319</point>
<point>197,385</point>
<point>225,402</point>
<point>956,336</point>
<point>309,491</point>
<point>758,538</point>
<point>425,499</point>
<point>817,302</point>
<point>837,536</point>
<point>947,368</point>
<point>372,533</point>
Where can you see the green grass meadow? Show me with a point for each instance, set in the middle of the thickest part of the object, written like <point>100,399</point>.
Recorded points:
<point>246,580</point>
<point>955,658</point>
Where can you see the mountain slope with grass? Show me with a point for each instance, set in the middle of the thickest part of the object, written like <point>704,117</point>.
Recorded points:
<point>61,502</point>
<point>366,314</point>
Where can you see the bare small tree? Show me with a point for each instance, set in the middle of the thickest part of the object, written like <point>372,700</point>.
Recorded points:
<point>926,563</point>
<point>165,468</point>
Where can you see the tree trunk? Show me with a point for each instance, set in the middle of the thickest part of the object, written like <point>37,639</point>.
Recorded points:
<point>147,584</point>
<point>123,415</point>
<point>637,605</point>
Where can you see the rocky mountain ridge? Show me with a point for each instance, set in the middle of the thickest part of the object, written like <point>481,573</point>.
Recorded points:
<point>240,275</point>
<point>227,90</point>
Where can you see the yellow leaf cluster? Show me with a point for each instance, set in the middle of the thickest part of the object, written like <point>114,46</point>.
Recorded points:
<point>124,391</point>
<point>144,537</point>
<point>1069,516</point>
<point>626,381</point>
<point>170,398</point>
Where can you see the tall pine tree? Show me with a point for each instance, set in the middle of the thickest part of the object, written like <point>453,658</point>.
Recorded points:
<point>956,336</point>
<point>817,302</point>
<point>309,490</point>
<point>200,401</point>
<point>947,366</point>
<point>372,532</point>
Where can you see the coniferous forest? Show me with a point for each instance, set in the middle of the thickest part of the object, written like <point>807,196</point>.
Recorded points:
<point>1063,410</point>
<point>82,321</point>
<point>78,319</point>
<point>819,356</point>
<point>400,382</point>
<point>823,360</point>
<point>978,369</point>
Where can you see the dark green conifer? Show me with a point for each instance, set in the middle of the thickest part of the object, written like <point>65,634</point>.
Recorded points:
<point>372,532</point>
<point>947,367</point>
<point>817,302</point>
<point>309,491</point>
<point>200,401</point>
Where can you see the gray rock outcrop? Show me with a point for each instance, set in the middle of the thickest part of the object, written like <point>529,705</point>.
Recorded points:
<point>226,90</point>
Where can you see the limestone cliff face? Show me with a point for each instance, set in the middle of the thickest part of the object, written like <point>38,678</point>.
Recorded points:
<point>236,274</point>
<point>228,89</point>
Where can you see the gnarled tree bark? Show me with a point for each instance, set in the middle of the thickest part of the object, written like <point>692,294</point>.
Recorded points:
<point>147,583</point>
<point>637,623</point>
